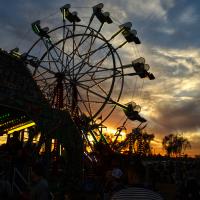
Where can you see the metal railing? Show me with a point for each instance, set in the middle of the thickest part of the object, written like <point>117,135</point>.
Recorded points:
<point>17,176</point>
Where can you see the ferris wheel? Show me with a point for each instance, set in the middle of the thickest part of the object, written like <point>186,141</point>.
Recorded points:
<point>78,67</point>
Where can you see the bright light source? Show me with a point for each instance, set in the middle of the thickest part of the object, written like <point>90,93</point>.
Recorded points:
<point>28,124</point>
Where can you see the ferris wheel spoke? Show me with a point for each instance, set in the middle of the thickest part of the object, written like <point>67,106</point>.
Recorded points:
<point>84,104</point>
<point>50,66</point>
<point>49,54</point>
<point>99,30</point>
<point>65,36</point>
<point>82,40</point>
<point>88,26</point>
<point>76,50</point>
<point>46,69</point>
<point>91,67</point>
<point>77,47</point>
<point>95,70</point>
<point>92,40</point>
<point>65,66</point>
<point>96,75</point>
<point>80,67</point>
<point>89,105</point>
<point>83,60</point>
<point>111,76</point>
<point>62,54</point>
<point>48,61</point>
<point>99,64</point>
<point>93,101</point>
<point>58,60</point>
<point>45,78</point>
<point>91,91</point>
<point>39,73</point>
<point>96,67</point>
<point>80,75</point>
<point>109,100</point>
<point>98,85</point>
<point>73,46</point>
<point>94,51</point>
<point>58,55</point>
<point>88,54</point>
<point>48,85</point>
<point>100,79</point>
<point>36,68</point>
<point>68,93</point>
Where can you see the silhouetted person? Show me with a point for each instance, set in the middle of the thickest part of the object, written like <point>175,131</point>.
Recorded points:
<point>39,187</point>
<point>5,187</point>
<point>136,188</point>
<point>14,144</point>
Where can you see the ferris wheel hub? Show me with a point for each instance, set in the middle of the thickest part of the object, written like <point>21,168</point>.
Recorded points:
<point>60,75</point>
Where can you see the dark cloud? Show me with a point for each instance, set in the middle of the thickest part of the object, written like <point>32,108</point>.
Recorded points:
<point>184,34</point>
<point>176,116</point>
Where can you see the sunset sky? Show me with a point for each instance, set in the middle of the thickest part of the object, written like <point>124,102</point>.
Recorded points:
<point>170,34</point>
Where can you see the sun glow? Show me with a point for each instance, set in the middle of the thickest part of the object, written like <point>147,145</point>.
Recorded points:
<point>111,132</point>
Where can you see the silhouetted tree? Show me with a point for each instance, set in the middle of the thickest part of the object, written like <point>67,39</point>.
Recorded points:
<point>137,142</point>
<point>174,145</point>
<point>147,138</point>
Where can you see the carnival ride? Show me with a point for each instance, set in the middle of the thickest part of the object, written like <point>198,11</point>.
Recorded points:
<point>79,68</point>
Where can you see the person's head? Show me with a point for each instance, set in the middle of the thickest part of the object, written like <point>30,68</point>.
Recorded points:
<point>136,173</point>
<point>117,173</point>
<point>16,135</point>
<point>38,171</point>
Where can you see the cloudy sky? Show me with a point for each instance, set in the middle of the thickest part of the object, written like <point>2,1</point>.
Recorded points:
<point>170,35</point>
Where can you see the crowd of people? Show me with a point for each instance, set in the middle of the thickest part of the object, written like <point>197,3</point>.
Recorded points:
<point>22,175</point>
<point>110,176</point>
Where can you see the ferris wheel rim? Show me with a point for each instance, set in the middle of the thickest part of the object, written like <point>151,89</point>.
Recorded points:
<point>63,26</point>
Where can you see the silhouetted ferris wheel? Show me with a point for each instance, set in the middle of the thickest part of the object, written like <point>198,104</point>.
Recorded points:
<point>78,67</point>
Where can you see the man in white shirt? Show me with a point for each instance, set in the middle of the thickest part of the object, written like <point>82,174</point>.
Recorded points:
<point>136,188</point>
